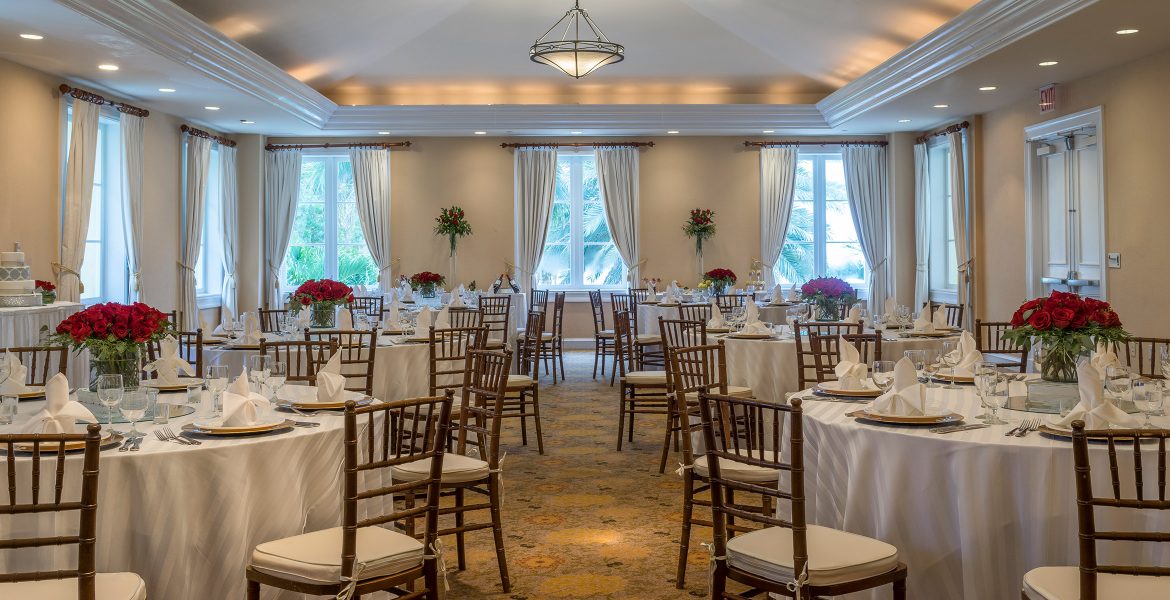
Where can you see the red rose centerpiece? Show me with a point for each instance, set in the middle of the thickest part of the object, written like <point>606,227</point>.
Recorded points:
<point>322,297</point>
<point>426,282</point>
<point>828,295</point>
<point>47,290</point>
<point>114,334</point>
<point>718,280</point>
<point>1062,328</point>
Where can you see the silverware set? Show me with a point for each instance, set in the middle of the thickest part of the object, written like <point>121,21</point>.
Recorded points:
<point>1025,427</point>
<point>132,443</point>
<point>164,434</point>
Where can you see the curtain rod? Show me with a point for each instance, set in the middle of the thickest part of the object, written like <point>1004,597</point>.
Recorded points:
<point>819,143</point>
<point>956,128</point>
<point>403,144</point>
<point>89,96</point>
<point>189,130</point>
<point>581,145</point>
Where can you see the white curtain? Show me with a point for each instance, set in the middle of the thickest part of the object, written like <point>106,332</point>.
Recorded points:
<point>371,184</point>
<point>133,128</point>
<point>777,186</point>
<point>921,225</point>
<point>865,184</point>
<point>617,176</point>
<point>959,204</point>
<point>229,209</point>
<point>78,193</point>
<point>535,188</point>
<point>282,182</point>
<point>196,169</point>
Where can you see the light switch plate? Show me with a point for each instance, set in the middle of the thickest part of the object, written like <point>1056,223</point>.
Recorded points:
<point>1114,260</point>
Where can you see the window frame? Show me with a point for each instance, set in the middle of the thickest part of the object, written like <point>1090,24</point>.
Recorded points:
<point>209,265</point>
<point>943,279</point>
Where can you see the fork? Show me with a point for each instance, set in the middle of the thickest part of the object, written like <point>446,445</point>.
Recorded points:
<point>1029,426</point>
<point>162,437</point>
<point>179,438</point>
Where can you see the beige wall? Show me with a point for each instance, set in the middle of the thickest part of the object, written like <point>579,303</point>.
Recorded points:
<point>1136,183</point>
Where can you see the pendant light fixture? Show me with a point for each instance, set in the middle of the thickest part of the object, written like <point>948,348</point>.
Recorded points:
<point>572,55</point>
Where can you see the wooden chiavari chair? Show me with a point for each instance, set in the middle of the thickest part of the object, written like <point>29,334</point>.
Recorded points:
<point>480,415</point>
<point>701,369</point>
<point>954,312</point>
<point>303,358</point>
<point>447,354</point>
<point>356,350</point>
<point>676,334</point>
<point>642,392</point>
<point>42,362</point>
<point>523,390</point>
<point>805,359</point>
<point>270,319</point>
<point>729,302</point>
<point>742,434</point>
<point>553,341</point>
<point>539,301</point>
<point>640,294</point>
<point>1092,580</point>
<point>175,317</point>
<point>602,337</point>
<point>644,343</point>
<point>990,341</point>
<point>377,553</point>
<point>190,350</point>
<point>83,581</point>
<point>370,305</point>
<point>1143,355</point>
<point>826,351</point>
<point>462,318</point>
<point>700,311</point>
<point>496,313</point>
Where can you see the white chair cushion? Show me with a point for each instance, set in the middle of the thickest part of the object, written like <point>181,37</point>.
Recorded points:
<point>738,471</point>
<point>646,377</point>
<point>456,469</point>
<point>110,586</point>
<point>833,556</point>
<point>518,382</point>
<point>732,390</point>
<point>606,333</point>
<point>648,339</point>
<point>315,557</point>
<point>1064,583</point>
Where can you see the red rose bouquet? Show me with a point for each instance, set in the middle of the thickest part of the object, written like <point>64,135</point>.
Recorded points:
<point>1063,326</point>
<point>828,295</point>
<point>114,334</point>
<point>701,226</point>
<point>426,282</point>
<point>321,297</point>
<point>47,290</point>
<point>717,280</point>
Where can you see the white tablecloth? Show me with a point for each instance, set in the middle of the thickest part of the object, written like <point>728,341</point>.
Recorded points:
<point>21,326</point>
<point>186,518</point>
<point>648,315</point>
<point>969,512</point>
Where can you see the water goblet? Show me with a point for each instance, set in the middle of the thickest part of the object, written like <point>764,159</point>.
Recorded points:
<point>948,359</point>
<point>997,398</point>
<point>8,406</point>
<point>110,391</point>
<point>1147,396</point>
<point>135,405</point>
<point>4,367</point>
<point>882,372</point>
<point>258,372</point>
<point>277,375</point>
<point>930,367</point>
<point>217,382</point>
<point>986,375</point>
<point>917,358</point>
<point>1118,383</point>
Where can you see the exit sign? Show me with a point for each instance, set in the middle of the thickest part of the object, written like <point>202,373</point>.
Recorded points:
<point>1048,98</point>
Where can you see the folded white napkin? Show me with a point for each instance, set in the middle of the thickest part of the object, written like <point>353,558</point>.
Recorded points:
<point>60,414</point>
<point>242,406</point>
<point>890,309</point>
<point>1095,408</point>
<point>252,331</point>
<point>205,325</point>
<point>851,372</point>
<point>907,397</point>
<point>330,387</point>
<point>405,293</point>
<point>169,364</point>
<point>457,301</point>
<point>226,317</point>
<point>653,289</point>
<point>777,294</point>
<point>854,315</point>
<point>751,320</point>
<point>674,288</point>
<point>304,317</point>
<point>716,321</point>
<point>17,375</point>
<point>966,356</point>
<point>422,324</point>
<point>925,321</point>
<point>794,292</point>
<point>1103,358</point>
<point>344,319</point>
<point>443,318</point>
<point>670,297</point>
<point>391,315</point>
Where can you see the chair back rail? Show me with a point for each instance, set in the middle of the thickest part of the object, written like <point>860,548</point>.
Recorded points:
<point>1143,355</point>
<point>598,307</point>
<point>989,340</point>
<point>640,294</point>
<point>694,369</point>
<point>531,350</point>
<point>270,319</point>
<point>954,312</point>
<point>484,386</point>
<point>729,302</point>
<point>356,348</point>
<point>42,362</point>
<point>370,305</point>
<point>805,359</point>
<point>539,300</point>
<point>496,313</point>
<point>447,352</point>
<point>695,312</point>
<point>628,304</point>
<point>676,333</point>
<point>558,320</point>
<point>826,350</point>
<point>302,358</point>
<point>462,318</point>
<point>625,352</point>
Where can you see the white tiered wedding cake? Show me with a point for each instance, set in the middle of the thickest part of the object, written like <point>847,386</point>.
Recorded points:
<point>17,287</point>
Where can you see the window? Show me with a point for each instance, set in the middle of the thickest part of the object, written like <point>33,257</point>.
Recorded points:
<point>209,267</point>
<point>944,266</point>
<point>578,250</point>
<point>822,239</point>
<point>327,238</point>
<point>104,270</point>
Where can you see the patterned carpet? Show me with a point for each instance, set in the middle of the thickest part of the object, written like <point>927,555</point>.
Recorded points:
<point>584,521</point>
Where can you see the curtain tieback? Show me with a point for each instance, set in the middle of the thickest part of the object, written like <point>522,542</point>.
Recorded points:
<point>60,269</point>
<point>138,281</point>
<point>921,267</point>
<point>637,265</point>
<point>965,269</point>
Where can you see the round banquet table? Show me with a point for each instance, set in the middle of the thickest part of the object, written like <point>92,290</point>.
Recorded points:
<point>970,512</point>
<point>648,315</point>
<point>186,518</point>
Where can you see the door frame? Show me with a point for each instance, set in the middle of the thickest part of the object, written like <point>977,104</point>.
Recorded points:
<point>1033,220</point>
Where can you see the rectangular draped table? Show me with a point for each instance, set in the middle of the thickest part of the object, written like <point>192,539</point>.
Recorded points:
<point>22,326</point>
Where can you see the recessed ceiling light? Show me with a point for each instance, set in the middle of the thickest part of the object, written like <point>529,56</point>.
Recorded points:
<point>672,132</point>
<point>383,133</point>
<point>903,120</point>
<point>108,67</point>
<point>769,131</point>
<point>167,90</point>
<point>211,107</point>
<point>942,105</point>
<point>34,36</point>
<point>247,122</point>
<point>1119,32</point>
<point>575,132</point>
<point>481,133</point>
<point>1049,63</point>
<point>988,88</point>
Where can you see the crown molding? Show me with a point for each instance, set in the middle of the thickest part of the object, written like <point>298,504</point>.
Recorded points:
<point>165,28</point>
<point>695,119</point>
<point>981,30</point>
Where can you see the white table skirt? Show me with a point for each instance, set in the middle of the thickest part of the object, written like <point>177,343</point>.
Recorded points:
<point>969,512</point>
<point>648,315</point>
<point>186,518</point>
<point>21,326</point>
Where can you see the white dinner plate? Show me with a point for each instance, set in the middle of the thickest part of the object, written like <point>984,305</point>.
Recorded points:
<point>181,385</point>
<point>834,387</point>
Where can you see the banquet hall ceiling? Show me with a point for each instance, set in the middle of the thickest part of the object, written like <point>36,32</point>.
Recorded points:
<point>475,51</point>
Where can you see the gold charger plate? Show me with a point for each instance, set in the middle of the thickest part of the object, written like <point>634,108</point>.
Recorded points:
<point>667,304</point>
<point>834,388</point>
<point>34,391</point>
<point>208,429</point>
<point>953,378</point>
<point>932,334</point>
<point>109,438</point>
<point>717,330</point>
<point>244,347</point>
<point>320,405</point>
<point>1057,431</point>
<point>184,382</point>
<point>393,332</point>
<point>865,415</point>
<point>648,302</point>
<point>750,336</point>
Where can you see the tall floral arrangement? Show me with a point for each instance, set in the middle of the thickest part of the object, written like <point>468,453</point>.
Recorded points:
<point>828,295</point>
<point>114,334</point>
<point>1064,326</point>
<point>700,225</point>
<point>452,222</point>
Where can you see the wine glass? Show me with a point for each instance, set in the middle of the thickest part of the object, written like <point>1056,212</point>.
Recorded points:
<point>4,367</point>
<point>949,359</point>
<point>277,375</point>
<point>882,372</point>
<point>258,372</point>
<point>879,324</point>
<point>917,358</point>
<point>110,391</point>
<point>1147,396</point>
<point>1119,383</point>
<point>930,367</point>
<point>986,375</point>
<point>997,398</point>
<point>135,405</point>
<point>217,382</point>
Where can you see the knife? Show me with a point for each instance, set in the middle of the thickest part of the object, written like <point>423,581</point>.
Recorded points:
<point>126,444</point>
<point>959,428</point>
<point>137,443</point>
